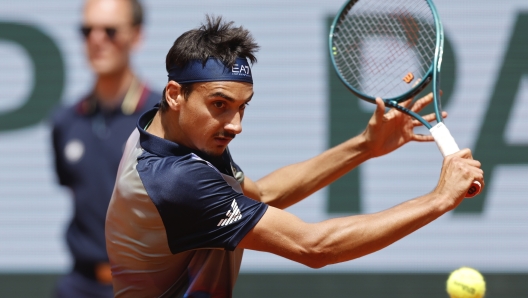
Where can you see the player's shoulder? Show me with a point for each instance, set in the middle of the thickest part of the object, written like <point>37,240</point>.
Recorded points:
<point>183,167</point>
<point>186,175</point>
<point>185,184</point>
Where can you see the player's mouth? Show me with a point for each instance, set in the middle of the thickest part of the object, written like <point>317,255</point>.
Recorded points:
<point>223,141</point>
<point>224,138</point>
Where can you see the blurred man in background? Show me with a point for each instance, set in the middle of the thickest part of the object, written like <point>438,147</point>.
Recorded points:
<point>89,137</point>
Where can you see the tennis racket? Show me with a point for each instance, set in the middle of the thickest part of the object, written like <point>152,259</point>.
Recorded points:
<point>393,50</point>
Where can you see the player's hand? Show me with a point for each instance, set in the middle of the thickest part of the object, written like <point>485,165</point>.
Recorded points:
<point>459,170</point>
<point>387,131</point>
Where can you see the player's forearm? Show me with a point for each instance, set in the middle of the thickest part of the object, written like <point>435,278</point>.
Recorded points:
<point>344,239</point>
<point>293,183</point>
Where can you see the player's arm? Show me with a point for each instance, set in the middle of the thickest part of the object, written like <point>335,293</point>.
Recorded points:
<point>385,132</point>
<point>342,239</point>
<point>290,184</point>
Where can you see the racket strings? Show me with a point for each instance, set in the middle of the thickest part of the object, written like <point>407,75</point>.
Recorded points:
<point>377,44</point>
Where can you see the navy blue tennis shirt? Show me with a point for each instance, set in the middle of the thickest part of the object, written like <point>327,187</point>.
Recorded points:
<point>175,220</point>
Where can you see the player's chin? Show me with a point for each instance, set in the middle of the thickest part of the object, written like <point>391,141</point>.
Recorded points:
<point>215,153</point>
<point>215,150</point>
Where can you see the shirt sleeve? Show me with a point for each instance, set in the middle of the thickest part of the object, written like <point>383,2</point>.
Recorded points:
<point>198,205</point>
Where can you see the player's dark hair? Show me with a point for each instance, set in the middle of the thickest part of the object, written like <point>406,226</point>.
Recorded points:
<point>214,38</point>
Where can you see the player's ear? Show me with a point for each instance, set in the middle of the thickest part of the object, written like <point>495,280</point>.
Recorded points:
<point>173,95</point>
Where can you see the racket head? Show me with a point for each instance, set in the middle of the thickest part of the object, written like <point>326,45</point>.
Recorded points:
<point>387,49</point>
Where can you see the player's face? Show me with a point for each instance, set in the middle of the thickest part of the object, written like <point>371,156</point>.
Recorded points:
<point>212,114</point>
<point>109,35</point>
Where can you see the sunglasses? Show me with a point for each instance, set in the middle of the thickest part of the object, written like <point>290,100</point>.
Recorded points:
<point>110,31</point>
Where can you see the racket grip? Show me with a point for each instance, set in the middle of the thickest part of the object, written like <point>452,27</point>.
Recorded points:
<point>447,145</point>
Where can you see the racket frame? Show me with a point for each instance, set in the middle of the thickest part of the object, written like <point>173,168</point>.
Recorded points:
<point>441,134</point>
<point>433,73</point>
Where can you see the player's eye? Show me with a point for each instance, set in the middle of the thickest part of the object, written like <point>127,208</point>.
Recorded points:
<point>219,104</point>
<point>244,106</point>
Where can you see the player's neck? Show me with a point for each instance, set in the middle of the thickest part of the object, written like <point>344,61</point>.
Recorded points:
<point>110,88</point>
<point>165,125</point>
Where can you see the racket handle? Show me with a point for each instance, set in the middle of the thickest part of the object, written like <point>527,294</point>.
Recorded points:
<point>447,145</point>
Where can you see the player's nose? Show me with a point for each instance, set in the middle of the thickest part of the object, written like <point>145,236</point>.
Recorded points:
<point>235,124</point>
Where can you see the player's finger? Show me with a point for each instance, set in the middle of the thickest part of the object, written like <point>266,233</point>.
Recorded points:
<point>422,138</point>
<point>463,153</point>
<point>422,103</point>
<point>477,177</point>
<point>407,102</point>
<point>473,162</point>
<point>477,173</point>
<point>380,108</point>
<point>429,118</point>
<point>481,181</point>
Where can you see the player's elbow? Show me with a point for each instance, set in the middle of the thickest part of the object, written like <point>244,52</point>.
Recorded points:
<point>316,262</point>
<point>317,255</point>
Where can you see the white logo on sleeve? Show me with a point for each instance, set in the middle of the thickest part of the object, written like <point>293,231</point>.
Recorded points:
<point>232,215</point>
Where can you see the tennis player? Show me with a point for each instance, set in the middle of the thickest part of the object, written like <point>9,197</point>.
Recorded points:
<point>182,211</point>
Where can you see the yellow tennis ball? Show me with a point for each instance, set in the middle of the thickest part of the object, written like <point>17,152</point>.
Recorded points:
<point>466,282</point>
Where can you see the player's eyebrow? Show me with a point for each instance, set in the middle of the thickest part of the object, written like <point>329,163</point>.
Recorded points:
<point>229,98</point>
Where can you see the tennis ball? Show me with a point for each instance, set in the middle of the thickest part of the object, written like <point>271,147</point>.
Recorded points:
<point>466,282</point>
